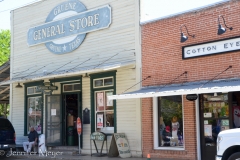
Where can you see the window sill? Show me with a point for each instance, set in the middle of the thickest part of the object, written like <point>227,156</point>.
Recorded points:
<point>170,148</point>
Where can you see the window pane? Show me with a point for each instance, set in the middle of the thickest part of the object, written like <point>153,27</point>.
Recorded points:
<point>109,119</point>
<point>100,101</point>
<point>170,121</point>
<point>37,90</point>
<point>67,87</point>
<point>76,87</point>
<point>109,103</point>
<point>98,83</point>
<point>30,90</point>
<point>34,113</point>
<point>216,113</point>
<point>108,81</point>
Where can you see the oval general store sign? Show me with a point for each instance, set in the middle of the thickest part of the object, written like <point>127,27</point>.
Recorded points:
<point>67,24</point>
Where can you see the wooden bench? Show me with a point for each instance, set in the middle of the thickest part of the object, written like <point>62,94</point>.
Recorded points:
<point>19,143</point>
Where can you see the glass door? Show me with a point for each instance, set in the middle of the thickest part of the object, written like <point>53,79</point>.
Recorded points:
<point>214,114</point>
<point>53,120</point>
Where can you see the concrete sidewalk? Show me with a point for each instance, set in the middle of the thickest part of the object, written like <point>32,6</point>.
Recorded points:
<point>74,157</point>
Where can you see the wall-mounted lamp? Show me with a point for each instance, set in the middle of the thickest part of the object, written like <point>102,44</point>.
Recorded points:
<point>18,85</point>
<point>183,37</point>
<point>86,75</point>
<point>221,29</point>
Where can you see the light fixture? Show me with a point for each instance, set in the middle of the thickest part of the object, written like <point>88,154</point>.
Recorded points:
<point>183,37</point>
<point>215,94</point>
<point>18,85</point>
<point>86,75</point>
<point>221,29</point>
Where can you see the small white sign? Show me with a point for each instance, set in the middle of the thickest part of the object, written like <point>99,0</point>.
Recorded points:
<point>207,115</point>
<point>205,121</point>
<point>100,121</point>
<point>53,112</point>
<point>211,48</point>
<point>207,130</point>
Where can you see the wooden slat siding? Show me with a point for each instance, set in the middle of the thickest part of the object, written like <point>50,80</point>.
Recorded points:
<point>127,109</point>
<point>86,104</point>
<point>18,110</point>
<point>121,35</point>
<point>118,37</point>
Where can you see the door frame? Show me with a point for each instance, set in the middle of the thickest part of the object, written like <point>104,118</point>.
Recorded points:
<point>46,113</point>
<point>201,122</point>
<point>64,128</point>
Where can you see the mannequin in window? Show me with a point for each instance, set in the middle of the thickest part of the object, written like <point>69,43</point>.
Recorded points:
<point>161,127</point>
<point>175,127</point>
<point>167,135</point>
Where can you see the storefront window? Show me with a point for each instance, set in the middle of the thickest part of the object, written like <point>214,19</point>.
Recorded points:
<point>215,116</point>
<point>170,121</point>
<point>104,111</point>
<point>34,117</point>
<point>103,82</point>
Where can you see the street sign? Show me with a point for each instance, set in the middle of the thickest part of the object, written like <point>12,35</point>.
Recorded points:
<point>79,126</point>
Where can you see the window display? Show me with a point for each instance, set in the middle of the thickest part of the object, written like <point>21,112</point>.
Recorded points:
<point>104,111</point>
<point>35,114</point>
<point>170,121</point>
<point>215,116</point>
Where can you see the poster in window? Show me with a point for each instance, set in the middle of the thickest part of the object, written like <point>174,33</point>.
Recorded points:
<point>207,130</point>
<point>100,99</point>
<point>99,120</point>
<point>109,102</point>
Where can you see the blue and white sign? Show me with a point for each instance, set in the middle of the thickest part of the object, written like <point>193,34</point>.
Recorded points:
<point>67,24</point>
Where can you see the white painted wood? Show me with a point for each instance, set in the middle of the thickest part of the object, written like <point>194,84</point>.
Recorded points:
<point>198,129</point>
<point>121,39</point>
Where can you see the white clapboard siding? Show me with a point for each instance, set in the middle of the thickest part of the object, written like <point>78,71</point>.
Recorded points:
<point>120,39</point>
<point>17,115</point>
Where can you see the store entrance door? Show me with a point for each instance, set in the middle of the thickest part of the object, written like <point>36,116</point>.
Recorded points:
<point>214,117</point>
<point>53,120</point>
<point>71,110</point>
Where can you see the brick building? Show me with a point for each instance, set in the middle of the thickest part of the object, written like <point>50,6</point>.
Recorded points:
<point>174,73</point>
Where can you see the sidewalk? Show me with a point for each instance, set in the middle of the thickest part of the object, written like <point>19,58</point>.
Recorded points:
<point>73,157</point>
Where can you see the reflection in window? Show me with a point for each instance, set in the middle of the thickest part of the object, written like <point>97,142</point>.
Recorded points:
<point>170,122</point>
<point>108,81</point>
<point>215,116</point>
<point>68,87</point>
<point>34,117</point>
<point>98,83</point>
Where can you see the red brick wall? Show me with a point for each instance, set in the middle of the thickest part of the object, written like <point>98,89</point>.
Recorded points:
<point>162,60</point>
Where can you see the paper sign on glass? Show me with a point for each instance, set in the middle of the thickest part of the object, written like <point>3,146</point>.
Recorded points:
<point>207,130</point>
<point>207,115</point>
<point>109,102</point>
<point>100,121</point>
<point>53,112</point>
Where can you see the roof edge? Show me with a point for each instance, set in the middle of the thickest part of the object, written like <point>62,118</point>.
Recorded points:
<point>185,12</point>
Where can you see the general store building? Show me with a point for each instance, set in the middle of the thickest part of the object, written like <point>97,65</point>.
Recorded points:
<point>66,58</point>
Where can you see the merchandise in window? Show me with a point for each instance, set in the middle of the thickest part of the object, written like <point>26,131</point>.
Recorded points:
<point>170,122</point>
<point>34,117</point>
<point>215,115</point>
<point>104,111</point>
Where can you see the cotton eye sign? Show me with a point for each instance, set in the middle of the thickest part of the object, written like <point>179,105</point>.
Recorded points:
<point>67,24</point>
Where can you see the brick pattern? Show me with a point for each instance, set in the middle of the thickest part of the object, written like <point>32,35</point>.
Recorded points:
<point>162,60</point>
<point>189,132</point>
